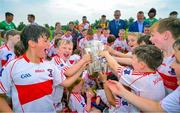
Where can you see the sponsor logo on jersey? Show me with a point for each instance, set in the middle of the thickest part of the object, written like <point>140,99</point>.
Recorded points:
<point>39,70</point>
<point>23,76</point>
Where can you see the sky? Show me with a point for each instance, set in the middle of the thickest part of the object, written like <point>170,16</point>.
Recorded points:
<point>52,11</point>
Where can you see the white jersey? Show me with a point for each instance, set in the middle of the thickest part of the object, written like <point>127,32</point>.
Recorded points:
<point>96,37</point>
<point>104,39</point>
<point>6,55</point>
<point>120,45</point>
<point>74,59</point>
<point>77,103</point>
<point>83,42</point>
<point>145,84</point>
<point>168,74</point>
<point>58,90</point>
<point>171,103</point>
<point>52,51</point>
<point>67,38</point>
<point>30,84</point>
<point>102,95</point>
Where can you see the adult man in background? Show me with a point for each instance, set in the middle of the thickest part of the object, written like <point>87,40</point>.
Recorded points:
<point>116,23</point>
<point>138,26</point>
<point>31,19</point>
<point>152,13</point>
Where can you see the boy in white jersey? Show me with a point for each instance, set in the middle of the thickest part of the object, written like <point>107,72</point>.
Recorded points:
<point>163,35</point>
<point>170,103</point>
<point>63,62</point>
<point>7,50</point>
<point>120,43</point>
<point>30,79</point>
<point>144,80</point>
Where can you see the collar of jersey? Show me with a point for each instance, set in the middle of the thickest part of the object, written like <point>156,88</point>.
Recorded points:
<point>27,59</point>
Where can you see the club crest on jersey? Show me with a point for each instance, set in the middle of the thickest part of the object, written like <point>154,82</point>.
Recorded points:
<point>8,56</point>
<point>127,72</point>
<point>23,76</point>
<point>172,71</point>
<point>61,65</point>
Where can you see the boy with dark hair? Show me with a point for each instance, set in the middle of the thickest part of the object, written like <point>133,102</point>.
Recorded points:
<point>8,24</point>
<point>169,104</point>
<point>31,19</point>
<point>143,80</point>
<point>29,78</point>
<point>144,40</point>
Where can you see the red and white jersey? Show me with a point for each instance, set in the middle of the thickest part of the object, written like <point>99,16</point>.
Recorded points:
<point>83,42</point>
<point>52,51</point>
<point>77,103</point>
<point>61,63</point>
<point>30,84</point>
<point>171,103</point>
<point>67,38</point>
<point>102,95</point>
<point>122,105</point>
<point>168,74</point>
<point>58,90</point>
<point>97,37</point>
<point>146,84</point>
<point>104,39</point>
<point>121,45</point>
<point>6,55</point>
<point>85,25</point>
<point>74,59</point>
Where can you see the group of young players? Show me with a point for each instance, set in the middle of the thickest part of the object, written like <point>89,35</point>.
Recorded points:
<point>42,76</point>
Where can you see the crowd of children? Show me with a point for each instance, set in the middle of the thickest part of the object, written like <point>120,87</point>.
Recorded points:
<point>39,75</point>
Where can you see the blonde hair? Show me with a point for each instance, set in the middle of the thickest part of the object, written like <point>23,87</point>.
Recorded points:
<point>63,42</point>
<point>135,34</point>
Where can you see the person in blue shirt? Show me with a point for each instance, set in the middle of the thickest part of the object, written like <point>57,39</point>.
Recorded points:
<point>116,24</point>
<point>138,26</point>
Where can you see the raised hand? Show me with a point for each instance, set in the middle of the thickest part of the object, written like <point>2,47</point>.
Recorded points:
<point>102,77</point>
<point>116,87</point>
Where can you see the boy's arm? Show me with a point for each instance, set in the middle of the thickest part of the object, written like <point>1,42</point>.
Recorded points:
<point>74,69</point>
<point>98,100</point>
<point>4,107</point>
<point>112,63</point>
<point>70,80</point>
<point>109,95</point>
<point>140,102</point>
<point>124,61</point>
<point>88,103</point>
<point>117,53</point>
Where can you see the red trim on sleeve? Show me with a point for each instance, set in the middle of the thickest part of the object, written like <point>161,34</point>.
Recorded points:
<point>169,81</point>
<point>2,88</point>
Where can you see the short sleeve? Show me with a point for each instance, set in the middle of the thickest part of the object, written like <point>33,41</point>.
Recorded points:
<point>75,104</point>
<point>58,76</point>
<point>5,81</point>
<point>171,103</point>
<point>126,77</point>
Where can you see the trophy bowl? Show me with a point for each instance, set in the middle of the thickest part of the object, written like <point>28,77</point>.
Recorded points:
<point>98,63</point>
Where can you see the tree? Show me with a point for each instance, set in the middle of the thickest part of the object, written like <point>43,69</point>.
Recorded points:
<point>46,26</point>
<point>130,21</point>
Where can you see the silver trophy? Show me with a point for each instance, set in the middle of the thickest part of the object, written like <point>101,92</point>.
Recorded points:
<point>98,63</point>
